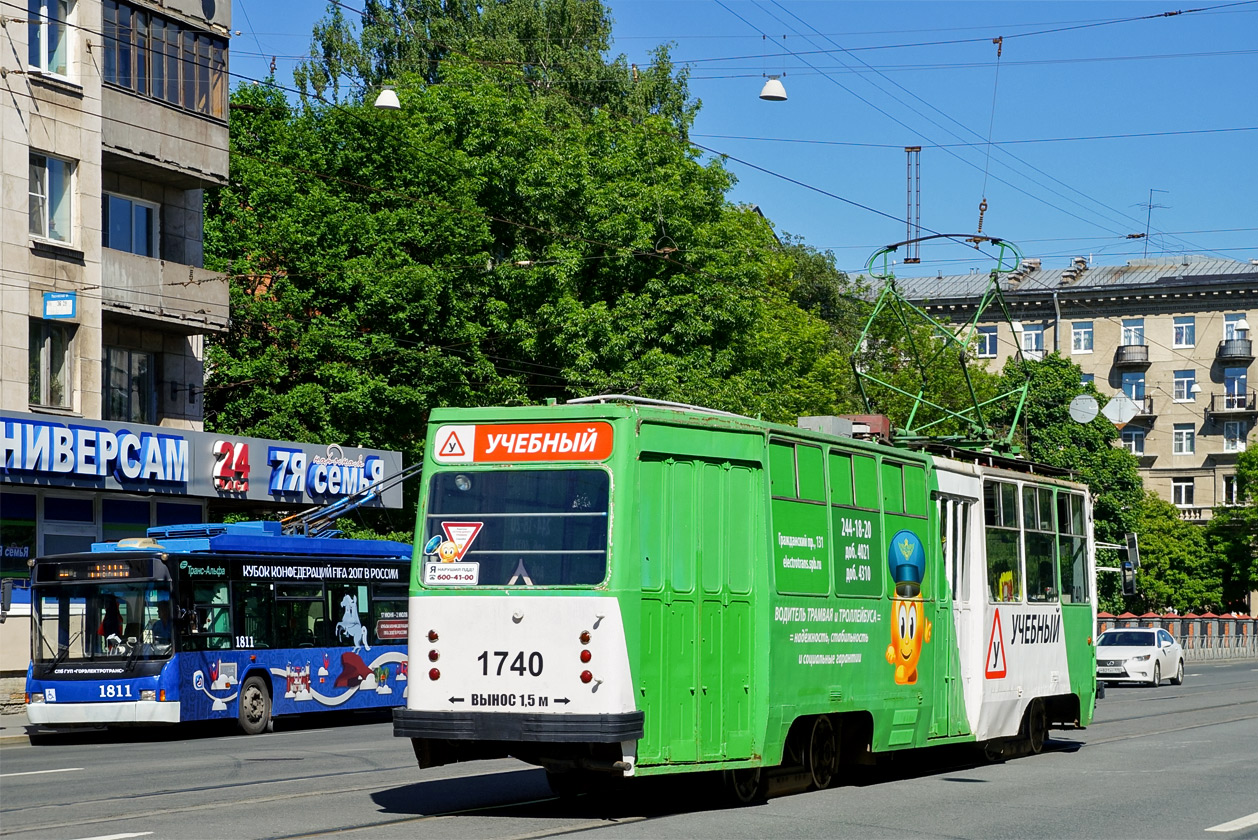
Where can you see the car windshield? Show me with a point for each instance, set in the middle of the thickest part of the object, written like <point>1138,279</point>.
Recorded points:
<point>98,620</point>
<point>1127,638</point>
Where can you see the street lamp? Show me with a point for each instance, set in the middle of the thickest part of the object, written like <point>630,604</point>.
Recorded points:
<point>387,99</point>
<point>773,91</point>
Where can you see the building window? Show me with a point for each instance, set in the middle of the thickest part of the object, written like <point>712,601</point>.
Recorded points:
<point>1087,378</point>
<point>1185,439</point>
<point>1235,385</point>
<point>1081,337</point>
<point>46,38</point>
<point>130,386</point>
<point>1133,385</point>
<point>1229,325</point>
<point>1033,341</point>
<point>157,57</point>
<point>1230,496</point>
<point>49,192</point>
<point>129,224</point>
<point>51,363</point>
<point>1234,436</point>
<point>1185,331</point>
<point>1133,332</point>
<point>987,342</point>
<point>1133,440</point>
<point>1184,381</point>
<point>1182,491</point>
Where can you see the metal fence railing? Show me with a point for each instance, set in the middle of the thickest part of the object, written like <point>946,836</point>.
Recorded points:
<point>1203,637</point>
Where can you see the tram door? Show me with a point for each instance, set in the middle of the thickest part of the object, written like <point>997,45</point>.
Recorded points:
<point>954,514</point>
<point>701,524</point>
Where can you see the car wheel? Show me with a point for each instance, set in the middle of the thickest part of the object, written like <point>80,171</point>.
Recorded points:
<point>1178,679</point>
<point>1157,674</point>
<point>255,706</point>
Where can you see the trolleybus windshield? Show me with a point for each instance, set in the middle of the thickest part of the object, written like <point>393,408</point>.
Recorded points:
<point>521,527</point>
<point>100,620</point>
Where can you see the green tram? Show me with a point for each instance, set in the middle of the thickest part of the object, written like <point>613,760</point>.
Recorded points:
<point>630,587</point>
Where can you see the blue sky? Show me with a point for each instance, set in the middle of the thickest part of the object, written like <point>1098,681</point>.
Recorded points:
<point>1090,106</point>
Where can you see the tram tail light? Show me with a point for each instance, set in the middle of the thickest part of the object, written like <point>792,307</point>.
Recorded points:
<point>434,674</point>
<point>434,655</point>
<point>586,677</point>
<point>586,656</point>
<point>432,636</point>
<point>585,637</point>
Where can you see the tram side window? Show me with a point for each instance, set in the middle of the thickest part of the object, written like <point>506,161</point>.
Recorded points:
<point>1073,549</point>
<point>1004,570</point>
<point>255,613</point>
<point>865,473</point>
<point>892,487</point>
<point>1037,517</point>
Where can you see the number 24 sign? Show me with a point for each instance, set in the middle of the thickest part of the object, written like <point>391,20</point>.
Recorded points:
<point>231,466</point>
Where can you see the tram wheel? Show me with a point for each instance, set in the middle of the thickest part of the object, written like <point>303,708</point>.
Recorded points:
<point>1036,726</point>
<point>255,706</point>
<point>823,753</point>
<point>745,785</point>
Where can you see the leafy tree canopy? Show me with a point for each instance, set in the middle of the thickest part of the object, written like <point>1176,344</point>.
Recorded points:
<point>492,243</point>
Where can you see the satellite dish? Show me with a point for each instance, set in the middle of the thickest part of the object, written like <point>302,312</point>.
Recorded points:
<point>1083,408</point>
<point>1121,409</point>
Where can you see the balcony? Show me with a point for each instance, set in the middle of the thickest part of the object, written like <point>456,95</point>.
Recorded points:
<point>1235,350</point>
<point>1132,355</point>
<point>1234,406</point>
<point>186,298</point>
<point>1144,407</point>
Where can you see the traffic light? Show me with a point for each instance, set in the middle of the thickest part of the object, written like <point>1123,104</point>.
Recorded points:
<point>1129,578</point>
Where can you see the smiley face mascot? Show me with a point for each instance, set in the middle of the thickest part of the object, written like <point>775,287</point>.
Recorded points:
<point>910,628</point>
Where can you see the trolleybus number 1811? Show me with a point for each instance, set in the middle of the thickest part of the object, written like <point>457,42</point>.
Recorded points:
<point>532,665</point>
<point>111,692</point>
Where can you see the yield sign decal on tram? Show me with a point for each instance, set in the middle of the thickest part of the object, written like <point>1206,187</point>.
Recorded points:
<point>453,448</point>
<point>997,667</point>
<point>461,534</point>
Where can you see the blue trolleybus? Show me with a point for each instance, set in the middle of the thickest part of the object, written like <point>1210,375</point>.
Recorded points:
<point>209,622</point>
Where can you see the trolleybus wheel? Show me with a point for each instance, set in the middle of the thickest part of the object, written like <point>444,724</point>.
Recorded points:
<point>823,753</point>
<point>1157,675</point>
<point>745,785</point>
<point>255,706</point>
<point>1036,726</point>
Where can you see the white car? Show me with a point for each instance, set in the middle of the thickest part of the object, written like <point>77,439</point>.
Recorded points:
<point>1139,654</point>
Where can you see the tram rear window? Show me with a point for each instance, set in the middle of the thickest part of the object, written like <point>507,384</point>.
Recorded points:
<point>522,527</point>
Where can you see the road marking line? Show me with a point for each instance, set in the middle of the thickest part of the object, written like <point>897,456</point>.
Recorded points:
<point>38,772</point>
<point>1236,825</point>
<point>119,836</point>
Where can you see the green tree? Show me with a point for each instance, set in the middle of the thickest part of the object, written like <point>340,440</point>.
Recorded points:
<point>1179,566</point>
<point>490,244</point>
<point>1235,528</point>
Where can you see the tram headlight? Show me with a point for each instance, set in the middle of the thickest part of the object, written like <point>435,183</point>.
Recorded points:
<point>462,482</point>
<point>148,694</point>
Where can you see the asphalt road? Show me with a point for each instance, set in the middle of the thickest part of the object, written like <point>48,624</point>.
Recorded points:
<point>1174,762</point>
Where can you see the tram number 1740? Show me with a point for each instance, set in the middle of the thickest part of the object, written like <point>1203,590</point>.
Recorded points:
<point>523,663</point>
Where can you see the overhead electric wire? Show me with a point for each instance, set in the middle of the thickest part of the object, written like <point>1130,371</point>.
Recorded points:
<point>1075,192</point>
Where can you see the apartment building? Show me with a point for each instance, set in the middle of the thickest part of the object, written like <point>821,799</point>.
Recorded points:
<point>1172,334</point>
<point>113,121</point>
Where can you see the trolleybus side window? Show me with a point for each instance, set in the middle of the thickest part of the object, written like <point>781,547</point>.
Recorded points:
<point>1004,567</point>
<point>389,606</point>
<point>254,610</point>
<point>524,527</point>
<point>298,607</point>
<point>209,627</point>
<point>1037,519</point>
<point>1072,548</point>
